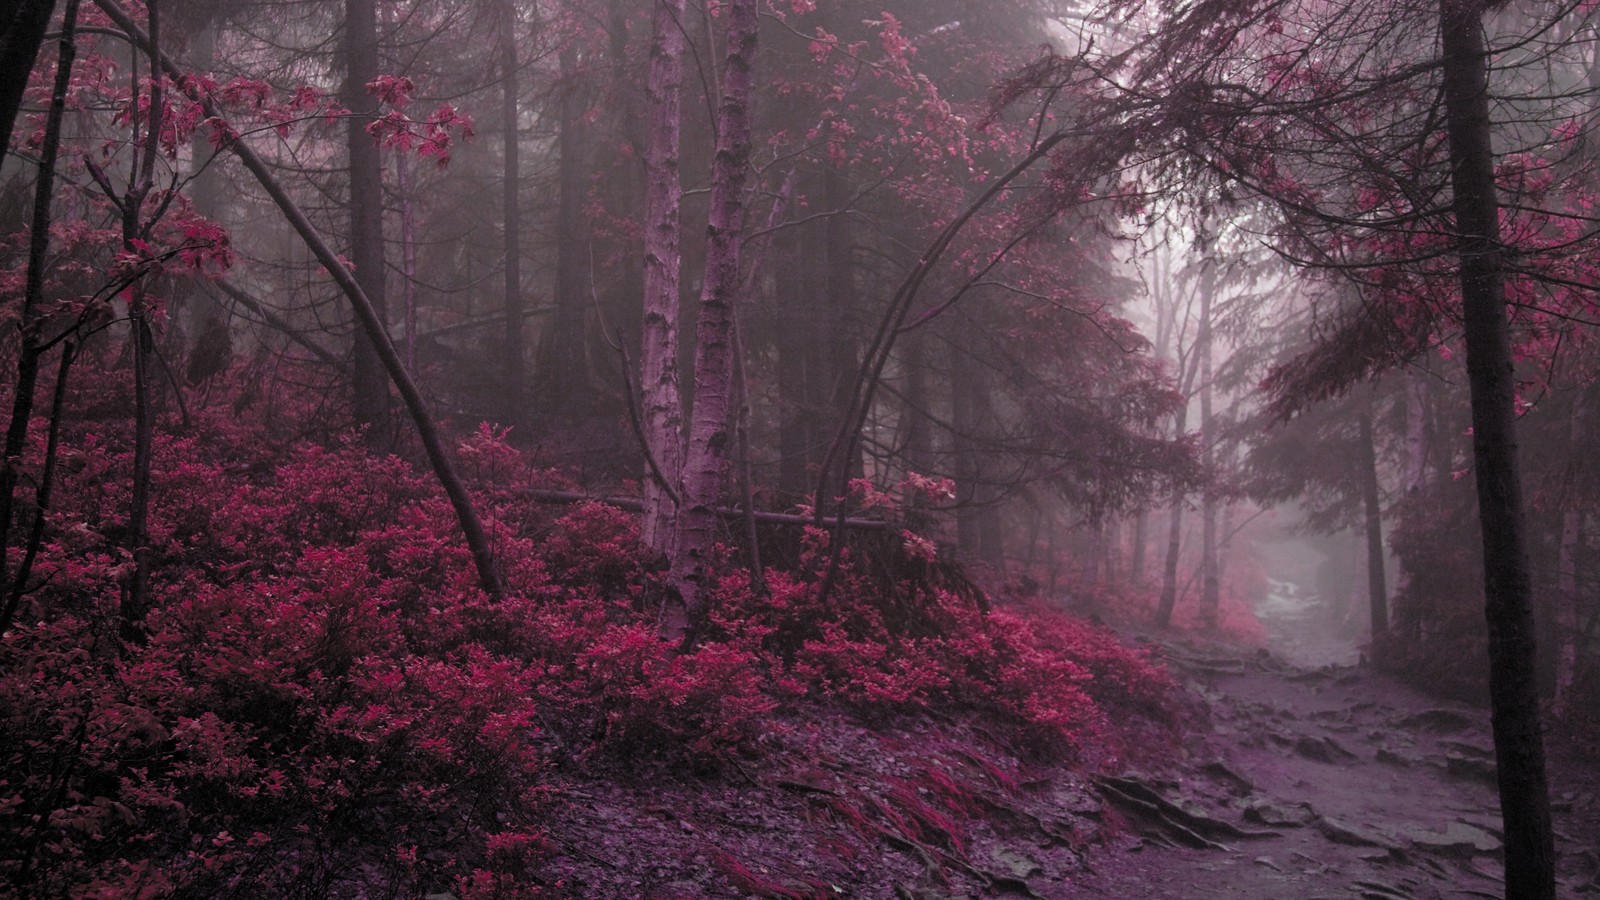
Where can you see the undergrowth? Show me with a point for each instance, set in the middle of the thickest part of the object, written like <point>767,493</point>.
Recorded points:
<point>324,704</point>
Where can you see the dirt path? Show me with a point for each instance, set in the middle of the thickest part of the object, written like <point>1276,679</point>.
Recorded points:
<point>1298,782</point>
<point>1327,782</point>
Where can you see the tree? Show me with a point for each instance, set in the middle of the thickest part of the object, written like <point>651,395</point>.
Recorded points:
<point>661,406</point>
<point>373,326</point>
<point>1513,695</point>
<point>370,393</point>
<point>709,438</point>
<point>22,32</point>
<point>1343,143</point>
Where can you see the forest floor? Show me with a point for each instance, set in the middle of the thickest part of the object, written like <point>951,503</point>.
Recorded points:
<point>1319,780</point>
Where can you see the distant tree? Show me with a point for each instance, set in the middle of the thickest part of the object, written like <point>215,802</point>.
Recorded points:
<point>1358,145</point>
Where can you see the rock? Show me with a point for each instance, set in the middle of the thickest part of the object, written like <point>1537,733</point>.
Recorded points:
<point>1267,861</point>
<point>1457,839</point>
<point>1020,865</point>
<point>1323,750</point>
<point>1438,720</point>
<point>1470,767</point>
<point>1469,748</point>
<point>1351,835</point>
<point>1076,801</point>
<point>1240,784</point>
<point>1265,812</point>
<point>1385,755</point>
<point>1377,890</point>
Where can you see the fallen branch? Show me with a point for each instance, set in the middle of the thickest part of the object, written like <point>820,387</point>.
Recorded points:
<point>366,315</point>
<point>634,504</point>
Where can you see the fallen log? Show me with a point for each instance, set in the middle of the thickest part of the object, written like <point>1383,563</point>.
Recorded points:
<point>634,504</point>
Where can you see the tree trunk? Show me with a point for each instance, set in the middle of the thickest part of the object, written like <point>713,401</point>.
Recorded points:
<point>1513,688</point>
<point>136,588</point>
<point>1169,569</point>
<point>1141,536</point>
<point>1210,581</point>
<point>369,391</point>
<point>802,350</point>
<point>1377,587</point>
<point>1572,544</point>
<point>22,32</point>
<point>1407,622</point>
<point>709,433</point>
<point>408,260</point>
<point>33,298</point>
<point>563,360</point>
<point>966,392</point>
<point>513,362</point>
<point>839,354</point>
<point>47,479</point>
<point>210,341</point>
<point>662,407</point>
<point>1572,549</point>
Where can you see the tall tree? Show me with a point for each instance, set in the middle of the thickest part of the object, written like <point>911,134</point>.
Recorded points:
<point>661,407</point>
<point>514,363</point>
<point>564,359</point>
<point>709,438</point>
<point>369,389</point>
<point>22,32</point>
<point>1508,585</point>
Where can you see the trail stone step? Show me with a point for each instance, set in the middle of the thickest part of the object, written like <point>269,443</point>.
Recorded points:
<point>1457,839</point>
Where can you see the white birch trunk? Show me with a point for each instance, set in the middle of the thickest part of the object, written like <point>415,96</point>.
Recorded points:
<point>709,431</point>
<point>661,405</point>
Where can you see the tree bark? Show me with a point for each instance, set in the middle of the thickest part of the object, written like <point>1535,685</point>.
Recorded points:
<point>564,363</point>
<point>514,360</point>
<point>709,432</point>
<point>1169,569</point>
<point>47,480</point>
<point>1141,529</point>
<point>1377,586</point>
<point>408,260</point>
<point>662,407</point>
<point>1513,688</point>
<point>22,32</point>
<point>33,296</point>
<point>1571,551</point>
<point>369,392</point>
<point>136,588</point>
<point>1210,580</point>
<point>1407,622</point>
<point>1572,542</point>
<point>210,341</point>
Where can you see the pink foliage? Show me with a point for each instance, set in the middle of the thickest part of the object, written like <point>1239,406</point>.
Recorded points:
<point>326,698</point>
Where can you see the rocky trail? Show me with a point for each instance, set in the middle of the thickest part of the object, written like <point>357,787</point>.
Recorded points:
<point>1325,783</point>
<point>1320,779</point>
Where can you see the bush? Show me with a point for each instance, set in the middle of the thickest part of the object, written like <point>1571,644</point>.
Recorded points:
<point>326,705</point>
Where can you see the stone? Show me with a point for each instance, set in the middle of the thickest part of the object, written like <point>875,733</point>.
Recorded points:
<point>1470,767</point>
<point>1020,865</point>
<point>1351,835</point>
<point>1266,812</point>
<point>1457,839</point>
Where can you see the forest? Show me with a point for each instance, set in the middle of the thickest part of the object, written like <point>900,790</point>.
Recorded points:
<point>799,449</point>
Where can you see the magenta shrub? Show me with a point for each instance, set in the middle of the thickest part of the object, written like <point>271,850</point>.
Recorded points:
<point>326,705</point>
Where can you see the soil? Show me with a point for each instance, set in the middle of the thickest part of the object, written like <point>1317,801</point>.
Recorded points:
<point>1301,776</point>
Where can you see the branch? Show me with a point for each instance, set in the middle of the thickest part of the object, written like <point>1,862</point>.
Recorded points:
<point>416,406</point>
